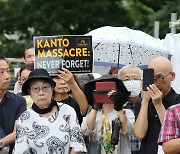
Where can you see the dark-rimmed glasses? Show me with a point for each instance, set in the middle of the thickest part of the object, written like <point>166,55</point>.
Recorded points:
<point>37,89</point>
<point>161,78</point>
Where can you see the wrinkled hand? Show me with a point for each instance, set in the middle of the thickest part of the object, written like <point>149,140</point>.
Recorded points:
<point>119,99</point>
<point>155,94</point>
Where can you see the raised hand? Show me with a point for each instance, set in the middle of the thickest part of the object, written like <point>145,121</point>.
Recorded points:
<point>155,94</point>
<point>119,99</point>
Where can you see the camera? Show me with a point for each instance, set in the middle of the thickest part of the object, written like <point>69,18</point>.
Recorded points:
<point>116,126</point>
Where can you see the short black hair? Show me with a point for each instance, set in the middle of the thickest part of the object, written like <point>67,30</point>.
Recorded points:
<point>2,57</point>
<point>29,46</point>
<point>29,67</point>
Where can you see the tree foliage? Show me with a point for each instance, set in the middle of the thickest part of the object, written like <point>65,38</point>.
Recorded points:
<point>20,20</point>
<point>164,16</point>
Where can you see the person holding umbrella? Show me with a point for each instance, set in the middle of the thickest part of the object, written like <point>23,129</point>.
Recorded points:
<point>47,127</point>
<point>112,125</point>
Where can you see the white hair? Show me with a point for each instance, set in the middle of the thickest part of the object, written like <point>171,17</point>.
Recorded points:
<point>127,67</point>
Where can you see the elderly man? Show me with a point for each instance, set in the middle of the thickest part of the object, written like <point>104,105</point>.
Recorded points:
<point>131,77</point>
<point>11,107</point>
<point>150,111</point>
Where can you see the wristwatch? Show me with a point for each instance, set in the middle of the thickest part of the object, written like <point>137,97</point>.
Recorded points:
<point>1,145</point>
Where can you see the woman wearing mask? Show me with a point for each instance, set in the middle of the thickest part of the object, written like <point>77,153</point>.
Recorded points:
<point>47,127</point>
<point>131,77</point>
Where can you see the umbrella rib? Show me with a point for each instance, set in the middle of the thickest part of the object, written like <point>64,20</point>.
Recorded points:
<point>131,54</point>
<point>96,45</point>
<point>119,54</point>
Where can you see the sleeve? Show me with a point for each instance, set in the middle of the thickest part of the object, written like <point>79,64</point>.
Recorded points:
<point>84,127</point>
<point>130,120</point>
<point>21,145</point>
<point>76,137</point>
<point>168,128</point>
<point>21,106</point>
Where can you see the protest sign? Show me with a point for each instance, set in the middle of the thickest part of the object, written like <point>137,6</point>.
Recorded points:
<point>73,52</point>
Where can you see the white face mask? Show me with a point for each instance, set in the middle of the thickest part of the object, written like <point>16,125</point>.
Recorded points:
<point>133,86</point>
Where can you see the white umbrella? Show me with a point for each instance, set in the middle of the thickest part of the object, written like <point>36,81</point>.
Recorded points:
<point>117,46</point>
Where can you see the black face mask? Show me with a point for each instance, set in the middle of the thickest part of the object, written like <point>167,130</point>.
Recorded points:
<point>46,110</point>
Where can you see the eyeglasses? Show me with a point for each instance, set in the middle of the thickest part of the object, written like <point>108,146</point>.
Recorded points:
<point>22,79</point>
<point>37,89</point>
<point>133,80</point>
<point>161,78</point>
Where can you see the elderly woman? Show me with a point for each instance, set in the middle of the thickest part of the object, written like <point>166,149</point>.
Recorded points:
<point>47,127</point>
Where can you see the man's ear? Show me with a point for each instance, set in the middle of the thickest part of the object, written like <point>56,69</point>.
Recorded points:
<point>173,75</point>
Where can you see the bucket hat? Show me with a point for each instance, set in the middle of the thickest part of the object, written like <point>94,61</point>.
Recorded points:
<point>91,85</point>
<point>41,74</point>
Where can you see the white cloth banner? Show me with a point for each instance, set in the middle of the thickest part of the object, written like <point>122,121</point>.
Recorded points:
<point>172,44</point>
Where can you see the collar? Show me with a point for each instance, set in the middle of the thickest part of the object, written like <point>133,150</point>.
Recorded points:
<point>124,105</point>
<point>46,110</point>
<point>127,103</point>
<point>6,96</point>
<point>169,98</point>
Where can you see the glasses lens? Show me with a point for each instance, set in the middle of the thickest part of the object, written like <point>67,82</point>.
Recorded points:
<point>22,79</point>
<point>161,78</point>
<point>35,89</point>
<point>46,88</point>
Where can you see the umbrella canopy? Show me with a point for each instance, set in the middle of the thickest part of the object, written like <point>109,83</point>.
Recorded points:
<point>119,46</point>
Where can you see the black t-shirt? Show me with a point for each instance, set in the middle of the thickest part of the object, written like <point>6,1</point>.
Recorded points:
<point>71,102</point>
<point>149,143</point>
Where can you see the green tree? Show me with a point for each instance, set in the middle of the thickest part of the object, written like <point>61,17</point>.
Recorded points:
<point>20,20</point>
<point>28,18</point>
<point>164,16</point>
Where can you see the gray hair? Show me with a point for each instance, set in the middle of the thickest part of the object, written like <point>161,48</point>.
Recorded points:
<point>129,67</point>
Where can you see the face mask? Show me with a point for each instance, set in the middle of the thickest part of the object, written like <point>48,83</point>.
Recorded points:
<point>133,86</point>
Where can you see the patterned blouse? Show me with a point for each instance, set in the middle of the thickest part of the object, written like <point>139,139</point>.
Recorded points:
<point>57,134</point>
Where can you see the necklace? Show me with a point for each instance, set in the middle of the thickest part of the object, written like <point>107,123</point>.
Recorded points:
<point>46,110</point>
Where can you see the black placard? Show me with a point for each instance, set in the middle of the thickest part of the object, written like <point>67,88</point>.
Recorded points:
<point>73,52</point>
